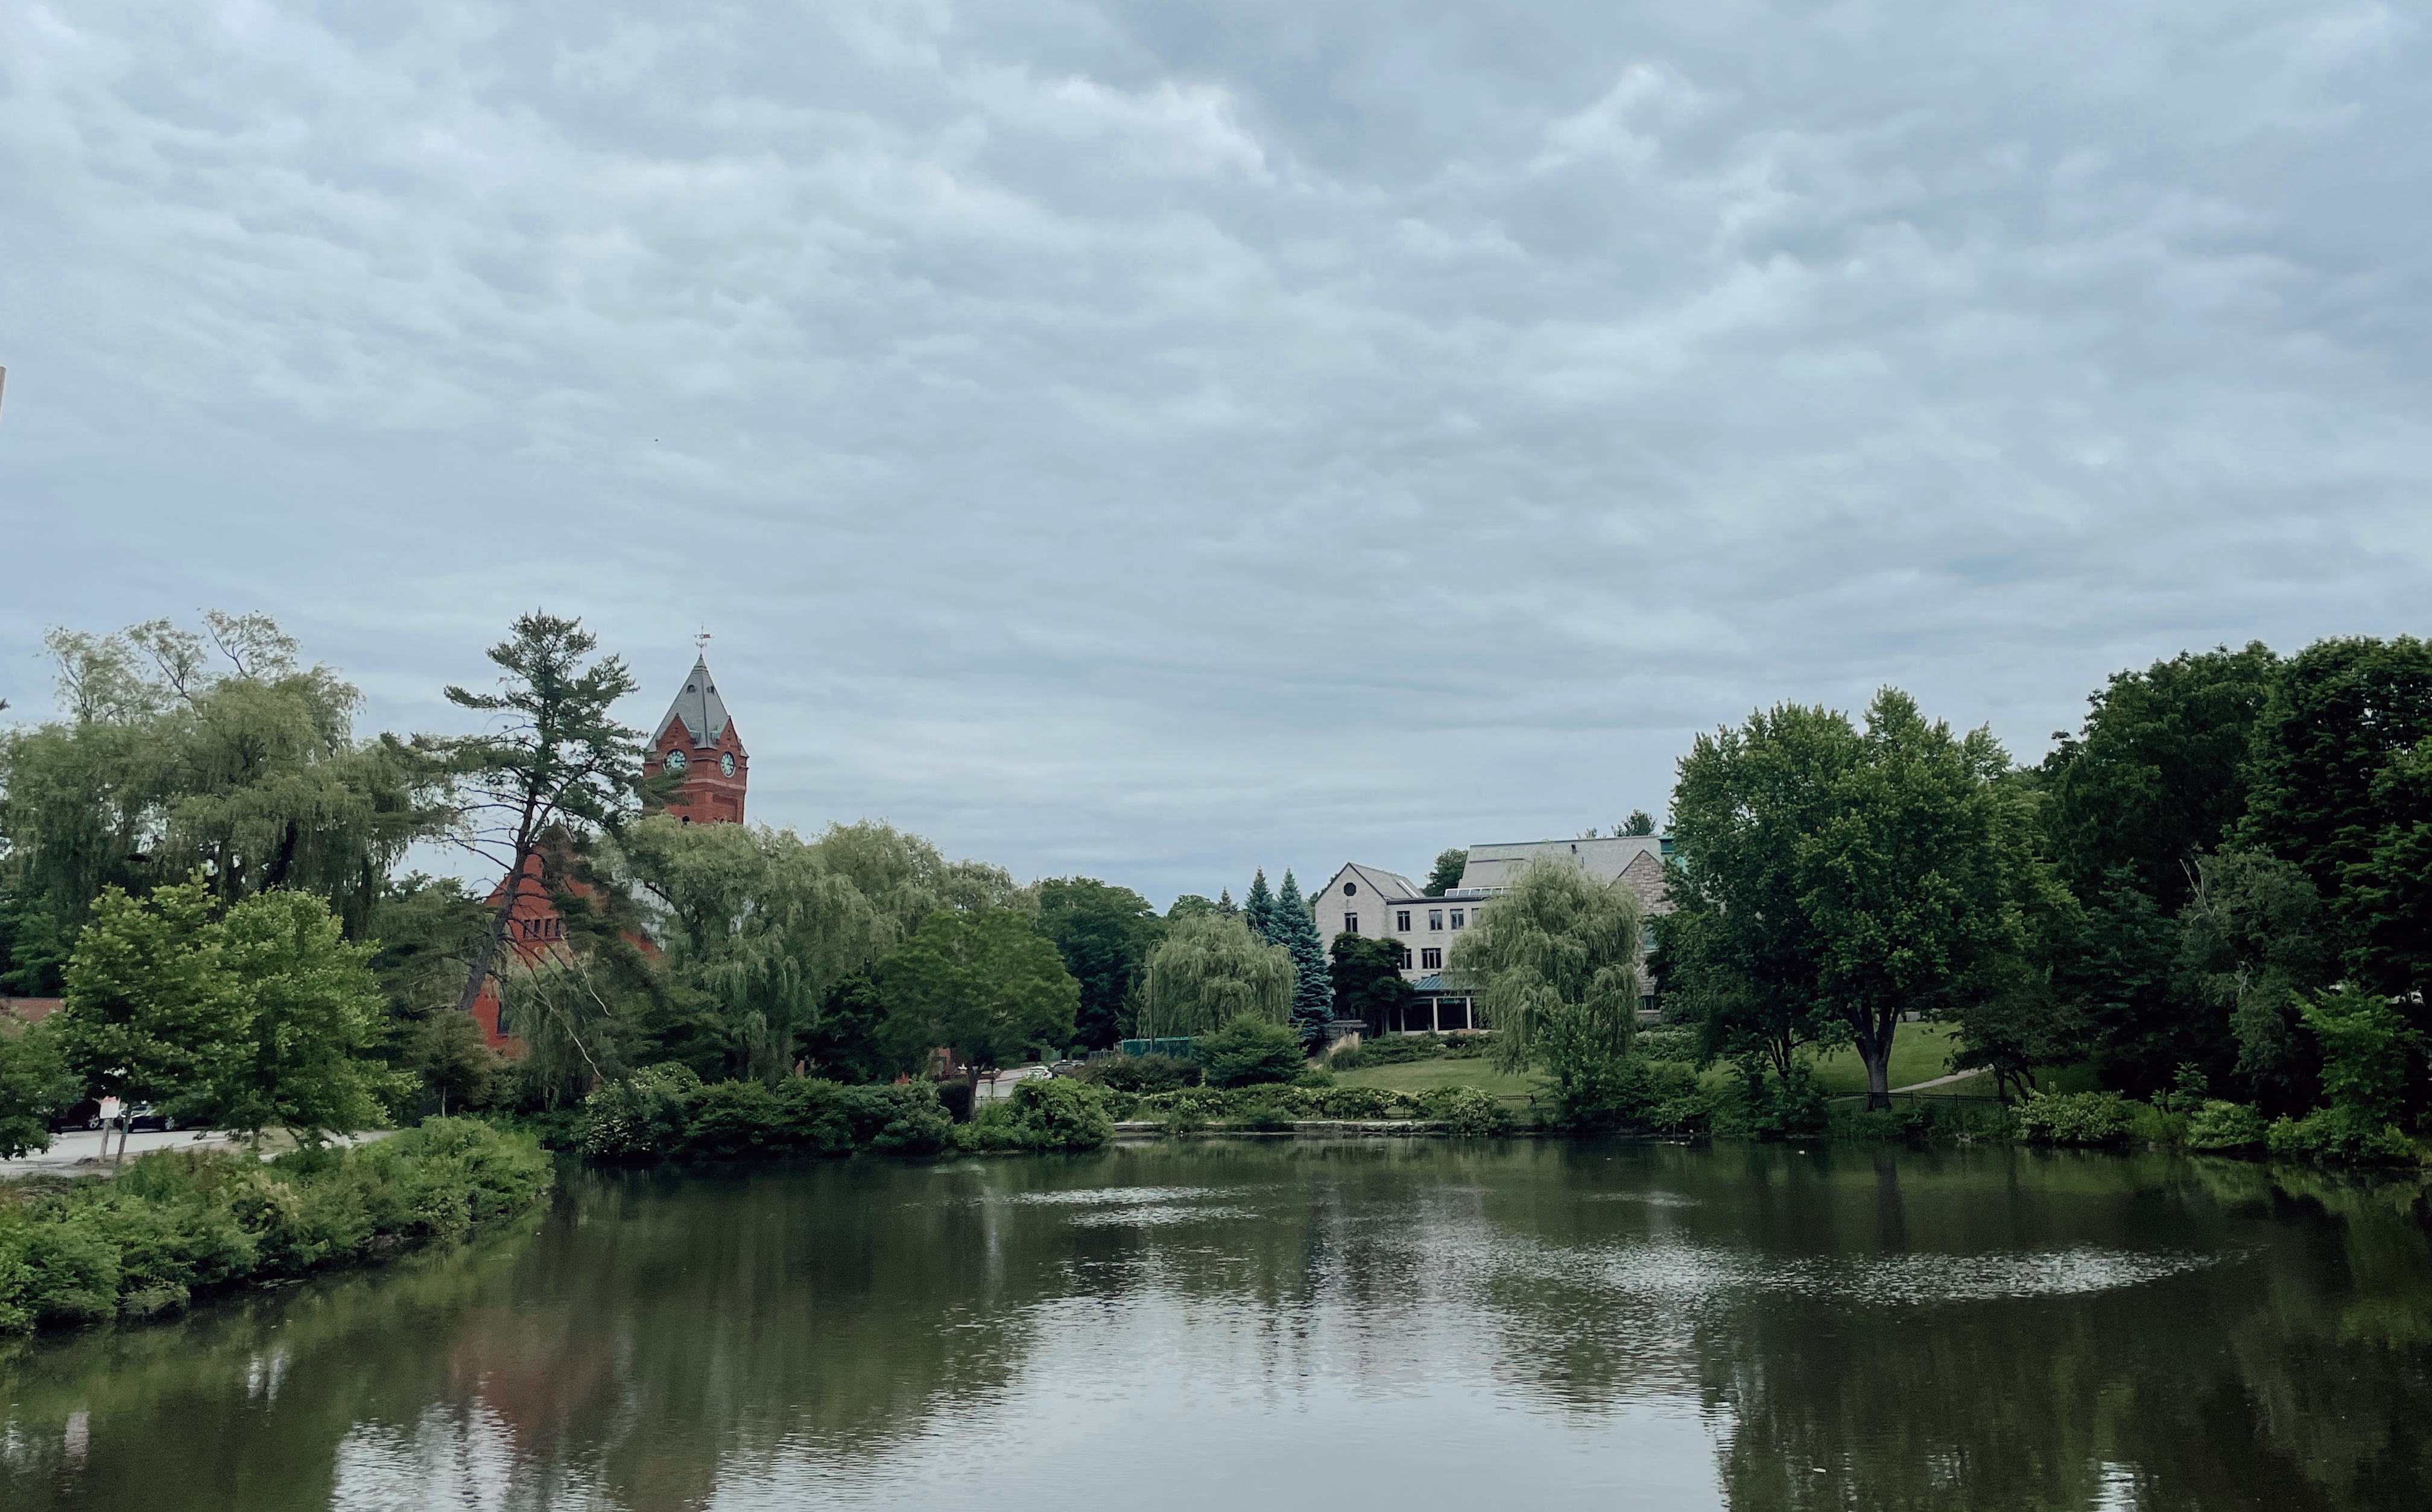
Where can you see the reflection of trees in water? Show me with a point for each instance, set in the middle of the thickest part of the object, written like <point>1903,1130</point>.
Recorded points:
<point>662,1336</point>
<point>2247,1381</point>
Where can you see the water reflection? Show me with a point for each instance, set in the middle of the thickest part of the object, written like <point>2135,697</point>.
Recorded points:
<point>1310,1325</point>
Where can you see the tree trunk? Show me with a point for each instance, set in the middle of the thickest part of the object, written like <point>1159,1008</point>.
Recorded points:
<point>1877,1054</point>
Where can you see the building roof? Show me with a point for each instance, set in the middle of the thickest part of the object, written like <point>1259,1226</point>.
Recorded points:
<point>1605,857</point>
<point>1389,886</point>
<point>699,706</point>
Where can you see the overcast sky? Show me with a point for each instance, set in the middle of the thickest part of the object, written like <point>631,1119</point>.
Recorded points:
<point>1156,440</point>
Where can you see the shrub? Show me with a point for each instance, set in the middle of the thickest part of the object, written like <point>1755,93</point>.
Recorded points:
<point>1464,1110</point>
<point>179,1222</point>
<point>2219,1125</point>
<point>956,1097</point>
<point>1349,1058</point>
<point>1668,1042</point>
<point>1045,1113</point>
<point>1627,1093</point>
<point>1250,1050</point>
<point>1772,1107</point>
<point>2339,1134</point>
<point>1397,1050</point>
<point>1142,1073</point>
<point>1314,1077</point>
<point>642,1118</point>
<point>1466,1047</point>
<point>2075,1118</point>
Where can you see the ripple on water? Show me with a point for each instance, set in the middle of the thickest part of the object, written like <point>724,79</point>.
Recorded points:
<point>1700,1273</point>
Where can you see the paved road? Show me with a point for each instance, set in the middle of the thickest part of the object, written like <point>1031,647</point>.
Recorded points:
<point>1006,1080</point>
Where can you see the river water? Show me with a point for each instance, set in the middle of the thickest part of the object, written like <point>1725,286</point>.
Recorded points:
<point>1246,1325</point>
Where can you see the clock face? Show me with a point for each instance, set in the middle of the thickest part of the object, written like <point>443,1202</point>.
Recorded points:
<point>676,761</point>
<point>726,764</point>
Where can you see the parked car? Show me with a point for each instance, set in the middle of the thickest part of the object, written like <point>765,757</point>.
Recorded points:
<point>86,1114</point>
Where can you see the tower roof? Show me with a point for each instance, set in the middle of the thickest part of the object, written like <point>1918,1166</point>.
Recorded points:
<point>699,706</point>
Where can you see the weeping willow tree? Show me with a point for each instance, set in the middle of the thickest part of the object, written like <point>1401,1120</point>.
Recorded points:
<point>1555,966</point>
<point>759,926</point>
<point>1209,970</point>
<point>212,752</point>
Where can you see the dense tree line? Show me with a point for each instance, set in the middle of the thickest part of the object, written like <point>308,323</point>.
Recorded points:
<point>203,793</point>
<point>2171,898</point>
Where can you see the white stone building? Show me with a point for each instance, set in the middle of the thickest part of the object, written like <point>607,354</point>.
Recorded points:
<point>1373,901</point>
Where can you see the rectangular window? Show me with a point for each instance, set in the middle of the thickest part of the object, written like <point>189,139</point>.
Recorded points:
<point>1456,919</point>
<point>1401,918</point>
<point>1431,960</point>
<point>1406,958</point>
<point>1350,923</point>
<point>1435,918</point>
<point>1420,1018</point>
<point>1453,1013</point>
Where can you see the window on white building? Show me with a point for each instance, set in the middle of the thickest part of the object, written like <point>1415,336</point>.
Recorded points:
<point>1435,918</point>
<point>1350,923</point>
<point>1431,960</point>
<point>1401,918</point>
<point>1457,919</point>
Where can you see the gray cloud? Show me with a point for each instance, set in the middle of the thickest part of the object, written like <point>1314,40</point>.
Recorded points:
<point>1154,439</point>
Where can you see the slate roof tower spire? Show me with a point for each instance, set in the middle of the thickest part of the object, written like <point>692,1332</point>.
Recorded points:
<point>696,737</point>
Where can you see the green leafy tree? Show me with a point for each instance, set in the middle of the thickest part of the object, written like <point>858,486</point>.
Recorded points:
<point>985,986</point>
<point>1250,1050</point>
<point>1210,971</point>
<point>1190,905</point>
<point>553,759</point>
<point>1554,962</point>
<point>35,1084</point>
<point>2336,791</point>
<point>1920,881</point>
<point>849,1042</point>
<point>1445,875</point>
<point>1295,928</point>
<point>1844,877</point>
<point>182,752</point>
<point>310,1015</point>
<point>1103,932</point>
<point>1736,956</point>
<point>450,1059</point>
<point>2252,949</point>
<point>1367,979</point>
<point>2155,776</point>
<point>757,928</point>
<point>1639,822</point>
<point>150,1013</point>
<point>1258,909</point>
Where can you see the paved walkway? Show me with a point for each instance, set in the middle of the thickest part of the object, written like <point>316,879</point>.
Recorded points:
<point>77,1152</point>
<point>1941,1080</point>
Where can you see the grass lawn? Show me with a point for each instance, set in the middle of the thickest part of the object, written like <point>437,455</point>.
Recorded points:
<point>1918,1051</point>
<point>1423,1076</point>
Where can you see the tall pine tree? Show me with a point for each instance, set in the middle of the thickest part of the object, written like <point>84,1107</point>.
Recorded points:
<point>1259,909</point>
<point>1295,927</point>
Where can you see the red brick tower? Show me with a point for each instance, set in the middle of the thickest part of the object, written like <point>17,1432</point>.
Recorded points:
<point>696,737</point>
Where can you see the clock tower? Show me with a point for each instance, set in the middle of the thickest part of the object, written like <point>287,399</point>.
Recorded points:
<point>696,738</point>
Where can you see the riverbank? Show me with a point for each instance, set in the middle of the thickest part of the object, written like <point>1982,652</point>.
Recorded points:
<point>174,1225</point>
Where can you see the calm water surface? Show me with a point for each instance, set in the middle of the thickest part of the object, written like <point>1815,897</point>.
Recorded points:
<point>1265,1326</point>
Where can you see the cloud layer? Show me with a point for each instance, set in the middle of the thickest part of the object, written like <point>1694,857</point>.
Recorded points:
<point>1152,440</point>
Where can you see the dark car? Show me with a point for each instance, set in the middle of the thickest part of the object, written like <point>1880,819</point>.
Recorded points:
<point>86,1114</point>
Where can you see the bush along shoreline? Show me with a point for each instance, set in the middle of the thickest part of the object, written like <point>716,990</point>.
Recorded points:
<point>174,1226</point>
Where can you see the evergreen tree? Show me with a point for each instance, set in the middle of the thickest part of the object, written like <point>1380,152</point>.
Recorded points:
<point>1295,928</point>
<point>555,758</point>
<point>1258,910</point>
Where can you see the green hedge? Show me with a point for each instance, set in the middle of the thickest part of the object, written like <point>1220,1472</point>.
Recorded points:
<point>668,1113</point>
<point>1463,1109</point>
<point>2076,1118</point>
<point>177,1223</point>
